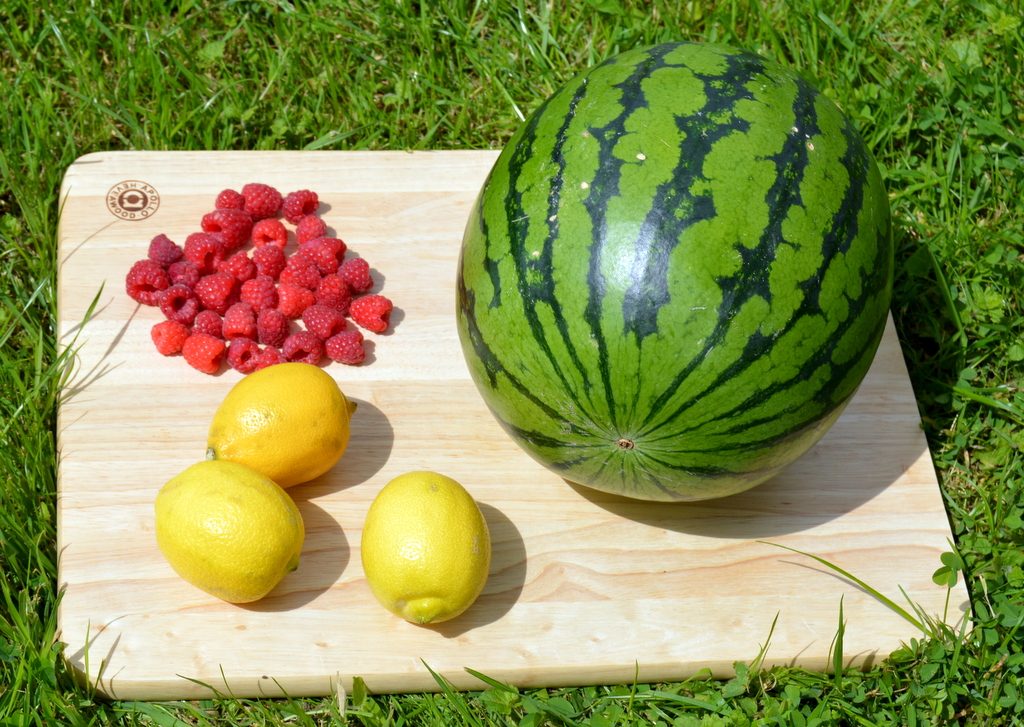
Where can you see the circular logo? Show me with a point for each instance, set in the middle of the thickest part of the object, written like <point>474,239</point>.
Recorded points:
<point>133,200</point>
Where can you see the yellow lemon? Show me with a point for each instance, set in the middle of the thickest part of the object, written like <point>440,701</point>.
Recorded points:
<point>425,547</point>
<point>228,530</point>
<point>289,421</point>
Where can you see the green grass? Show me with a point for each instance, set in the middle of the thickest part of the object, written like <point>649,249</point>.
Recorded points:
<point>937,88</point>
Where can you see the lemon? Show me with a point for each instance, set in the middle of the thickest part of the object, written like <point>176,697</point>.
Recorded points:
<point>228,530</point>
<point>425,547</point>
<point>289,421</point>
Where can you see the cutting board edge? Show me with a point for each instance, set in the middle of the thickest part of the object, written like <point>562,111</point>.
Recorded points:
<point>421,680</point>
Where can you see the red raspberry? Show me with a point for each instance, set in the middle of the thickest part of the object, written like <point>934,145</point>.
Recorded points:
<point>229,199</point>
<point>301,272</point>
<point>269,231</point>
<point>233,226</point>
<point>356,272</point>
<point>215,291</point>
<point>323,321</point>
<point>268,357</point>
<point>299,204</point>
<point>164,250</point>
<point>293,299</point>
<point>169,337</point>
<point>270,260</point>
<point>183,272</point>
<point>203,352</point>
<point>144,282</point>
<point>272,327</point>
<point>334,292</point>
<point>372,312</point>
<point>324,252</point>
<point>346,347</point>
<point>204,251</point>
<point>239,320</point>
<point>243,354</point>
<point>261,200</point>
<point>238,266</point>
<point>179,304</point>
<point>260,293</point>
<point>309,228</point>
<point>303,346</point>
<point>208,322</point>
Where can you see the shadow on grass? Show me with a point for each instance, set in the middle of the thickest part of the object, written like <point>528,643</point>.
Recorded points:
<point>931,333</point>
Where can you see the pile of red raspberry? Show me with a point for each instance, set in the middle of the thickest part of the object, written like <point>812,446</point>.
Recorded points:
<point>227,301</point>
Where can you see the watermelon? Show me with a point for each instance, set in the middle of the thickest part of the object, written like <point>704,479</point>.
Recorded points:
<point>676,274</point>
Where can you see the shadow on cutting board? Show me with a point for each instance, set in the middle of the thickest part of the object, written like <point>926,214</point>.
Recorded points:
<point>369,448</point>
<point>325,553</point>
<point>103,366</point>
<point>504,582</point>
<point>811,492</point>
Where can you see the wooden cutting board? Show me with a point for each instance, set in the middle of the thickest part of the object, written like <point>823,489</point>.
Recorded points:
<point>585,588</point>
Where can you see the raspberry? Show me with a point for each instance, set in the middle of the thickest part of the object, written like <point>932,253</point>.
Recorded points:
<point>233,226</point>
<point>269,231</point>
<point>204,251</point>
<point>324,252</point>
<point>183,272</point>
<point>301,272</point>
<point>372,312</point>
<point>243,354</point>
<point>322,321</point>
<point>272,327</point>
<point>144,282</point>
<point>229,199</point>
<point>356,272</point>
<point>334,293</point>
<point>239,320</point>
<point>221,302</point>
<point>293,299</point>
<point>215,291</point>
<point>260,293</point>
<point>303,346</point>
<point>268,357</point>
<point>179,304</point>
<point>270,260</point>
<point>238,266</point>
<point>310,227</point>
<point>203,352</point>
<point>299,204</point>
<point>164,250</point>
<point>209,322</point>
<point>261,200</point>
<point>346,347</point>
<point>169,337</point>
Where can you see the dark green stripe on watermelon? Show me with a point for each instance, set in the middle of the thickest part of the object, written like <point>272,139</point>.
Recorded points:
<point>676,274</point>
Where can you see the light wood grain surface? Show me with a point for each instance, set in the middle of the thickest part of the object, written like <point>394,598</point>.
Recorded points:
<point>584,588</point>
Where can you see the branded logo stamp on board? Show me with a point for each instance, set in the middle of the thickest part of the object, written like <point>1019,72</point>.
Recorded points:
<point>133,200</point>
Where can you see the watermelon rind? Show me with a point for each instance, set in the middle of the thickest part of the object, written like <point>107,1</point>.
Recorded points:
<point>676,274</point>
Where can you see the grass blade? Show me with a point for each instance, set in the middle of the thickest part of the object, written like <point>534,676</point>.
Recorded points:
<point>874,593</point>
<point>456,699</point>
<point>837,649</point>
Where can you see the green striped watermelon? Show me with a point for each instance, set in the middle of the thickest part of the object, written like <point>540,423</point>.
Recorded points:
<point>676,274</point>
